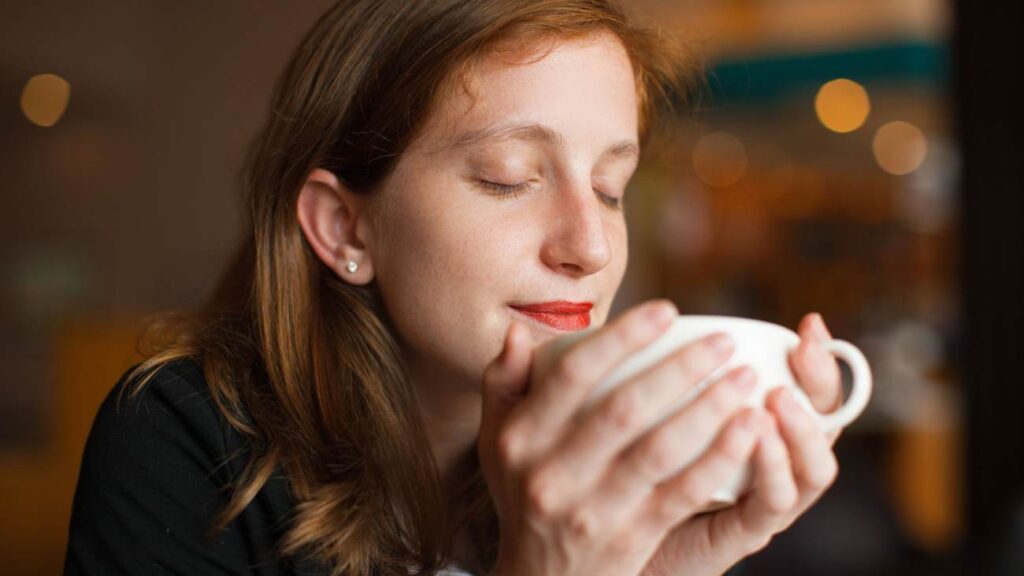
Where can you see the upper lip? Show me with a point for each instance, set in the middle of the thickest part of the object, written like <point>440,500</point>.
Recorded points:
<point>556,307</point>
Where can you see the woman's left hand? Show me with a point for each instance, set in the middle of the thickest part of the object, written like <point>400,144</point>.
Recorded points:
<point>793,466</point>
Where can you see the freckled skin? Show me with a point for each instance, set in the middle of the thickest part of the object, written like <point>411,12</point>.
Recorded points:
<point>450,255</point>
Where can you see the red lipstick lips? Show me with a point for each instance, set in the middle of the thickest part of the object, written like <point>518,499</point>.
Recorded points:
<point>561,315</point>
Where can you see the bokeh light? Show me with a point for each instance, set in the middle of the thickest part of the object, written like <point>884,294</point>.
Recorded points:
<point>719,159</point>
<point>45,98</point>
<point>842,105</point>
<point>900,147</point>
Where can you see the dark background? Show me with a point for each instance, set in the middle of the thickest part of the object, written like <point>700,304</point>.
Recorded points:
<point>991,122</point>
<point>129,205</point>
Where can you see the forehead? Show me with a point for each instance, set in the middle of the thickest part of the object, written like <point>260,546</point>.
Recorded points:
<point>564,93</point>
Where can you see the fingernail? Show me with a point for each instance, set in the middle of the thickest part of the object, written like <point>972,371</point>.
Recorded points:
<point>510,341</point>
<point>748,420</point>
<point>743,378</point>
<point>662,311</point>
<point>509,335</point>
<point>819,327</point>
<point>721,343</point>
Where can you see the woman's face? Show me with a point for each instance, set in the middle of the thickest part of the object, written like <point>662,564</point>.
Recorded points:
<point>506,200</point>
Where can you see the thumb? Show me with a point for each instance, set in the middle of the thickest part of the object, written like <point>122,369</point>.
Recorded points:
<point>506,377</point>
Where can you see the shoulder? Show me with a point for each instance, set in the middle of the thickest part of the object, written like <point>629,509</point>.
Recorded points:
<point>152,480</point>
<point>178,383</point>
<point>172,416</point>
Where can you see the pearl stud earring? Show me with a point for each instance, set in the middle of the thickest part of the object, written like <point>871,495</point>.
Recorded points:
<point>352,266</point>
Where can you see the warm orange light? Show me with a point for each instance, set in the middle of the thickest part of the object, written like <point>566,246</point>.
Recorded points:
<point>900,148</point>
<point>842,105</point>
<point>45,98</point>
<point>719,159</point>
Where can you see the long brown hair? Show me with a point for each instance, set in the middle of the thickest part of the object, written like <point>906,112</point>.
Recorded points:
<point>306,366</point>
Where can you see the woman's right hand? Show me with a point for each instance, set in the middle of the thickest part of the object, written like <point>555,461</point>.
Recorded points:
<point>575,497</point>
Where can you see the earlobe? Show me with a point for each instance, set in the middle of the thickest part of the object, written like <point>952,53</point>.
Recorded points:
<point>329,214</point>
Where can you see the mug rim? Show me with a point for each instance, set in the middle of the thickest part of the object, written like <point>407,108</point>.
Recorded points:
<point>735,319</point>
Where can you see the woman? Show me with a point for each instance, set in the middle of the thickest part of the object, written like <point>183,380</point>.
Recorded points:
<point>439,187</point>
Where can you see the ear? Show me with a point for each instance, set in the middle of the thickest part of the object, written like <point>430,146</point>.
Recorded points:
<point>332,219</point>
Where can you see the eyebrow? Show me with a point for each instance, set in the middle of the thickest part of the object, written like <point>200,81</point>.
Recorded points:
<point>533,132</point>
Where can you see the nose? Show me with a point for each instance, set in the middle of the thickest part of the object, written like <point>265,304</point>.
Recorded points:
<point>576,243</point>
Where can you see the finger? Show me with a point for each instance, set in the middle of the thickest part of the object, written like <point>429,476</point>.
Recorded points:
<point>816,369</point>
<point>504,382</point>
<point>770,506</point>
<point>774,495</point>
<point>671,446</point>
<point>814,464</point>
<point>552,401</point>
<point>690,491</point>
<point>590,452</point>
<point>619,418</point>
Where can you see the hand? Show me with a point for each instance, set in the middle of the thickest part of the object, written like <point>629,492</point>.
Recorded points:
<point>794,465</point>
<point>597,495</point>
<point>816,370</point>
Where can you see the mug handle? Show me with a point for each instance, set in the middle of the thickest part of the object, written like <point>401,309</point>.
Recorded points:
<point>860,392</point>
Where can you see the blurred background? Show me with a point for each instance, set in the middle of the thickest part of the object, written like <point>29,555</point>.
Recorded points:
<point>859,158</point>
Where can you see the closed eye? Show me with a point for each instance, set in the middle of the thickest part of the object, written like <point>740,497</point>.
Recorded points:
<point>515,190</point>
<point>506,190</point>
<point>610,201</point>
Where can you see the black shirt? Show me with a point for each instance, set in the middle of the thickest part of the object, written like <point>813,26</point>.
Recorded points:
<point>156,471</point>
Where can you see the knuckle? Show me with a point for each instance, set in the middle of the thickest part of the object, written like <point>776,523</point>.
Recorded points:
<point>782,503</point>
<point>540,493</point>
<point>623,410</point>
<point>733,447</point>
<point>510,446</point>
<point>569,370</point>
<point>692,494</point>
<point>584,526</point>
<point>657,458</point>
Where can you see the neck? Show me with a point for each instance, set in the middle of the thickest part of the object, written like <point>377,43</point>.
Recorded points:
<point>450,408</point>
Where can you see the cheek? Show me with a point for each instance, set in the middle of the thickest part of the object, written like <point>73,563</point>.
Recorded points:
<point>618,237</point>
<point>440,246</point>
<point>444,278</point>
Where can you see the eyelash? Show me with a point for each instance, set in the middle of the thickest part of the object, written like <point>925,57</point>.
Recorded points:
<point>506,190</point>
<point>515,190</point>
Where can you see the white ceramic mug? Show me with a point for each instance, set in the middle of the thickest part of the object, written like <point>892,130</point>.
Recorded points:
<point>763,346</point>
